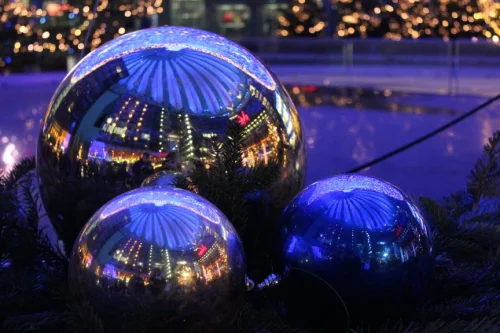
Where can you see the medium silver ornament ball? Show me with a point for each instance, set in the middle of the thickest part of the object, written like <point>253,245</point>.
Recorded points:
<point>164,252</point>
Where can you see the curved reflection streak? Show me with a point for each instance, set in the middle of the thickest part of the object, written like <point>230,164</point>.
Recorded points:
<point>160,198</point>
<point>176,39</point>
<point>361,208</point>
<point>351,182</point>
<point>174,227</point>
<point>208,84</point>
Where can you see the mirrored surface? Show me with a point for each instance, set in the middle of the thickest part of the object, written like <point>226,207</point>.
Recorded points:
<point>159,99</point>
<point>361,235</point>
<point>163,250</point>
<point>161,178</point>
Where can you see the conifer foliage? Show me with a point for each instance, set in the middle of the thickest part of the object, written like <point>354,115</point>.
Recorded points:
<point>464,296</point>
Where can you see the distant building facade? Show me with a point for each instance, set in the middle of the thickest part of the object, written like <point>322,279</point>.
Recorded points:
<point>231,18</point>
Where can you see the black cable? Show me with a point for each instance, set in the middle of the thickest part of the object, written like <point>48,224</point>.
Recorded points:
<point>89,29</point>
<point>425,137</point>
<point>347,316</point>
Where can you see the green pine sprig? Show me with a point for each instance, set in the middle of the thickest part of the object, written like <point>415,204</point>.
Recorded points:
<point>228,183</point>
<point>464,296</point>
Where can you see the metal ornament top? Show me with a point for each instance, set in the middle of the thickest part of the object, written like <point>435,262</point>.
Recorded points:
<point>176,39</point>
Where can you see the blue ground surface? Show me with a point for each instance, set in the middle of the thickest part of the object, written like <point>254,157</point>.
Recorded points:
<point>338,137</point>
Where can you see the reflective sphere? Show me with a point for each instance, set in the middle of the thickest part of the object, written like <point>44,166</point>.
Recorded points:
<point>159,99</point>
<point>363,237</point>
<point>164,252</point>
<point>162,178</point>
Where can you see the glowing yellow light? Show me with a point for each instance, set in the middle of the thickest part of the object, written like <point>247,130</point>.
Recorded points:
<point>45,35</point>
<point>128,13</point>
<point>496,38</point>
<point>78,32</point>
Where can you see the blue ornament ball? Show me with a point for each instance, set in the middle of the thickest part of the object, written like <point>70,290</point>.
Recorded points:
<point>361,236</point>
<point>162,252</point>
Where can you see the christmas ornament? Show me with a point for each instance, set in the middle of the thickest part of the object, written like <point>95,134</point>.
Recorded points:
<point>130,105</point>
<point>166,252</point>
<point>162,178</point>
<point>362,237</point>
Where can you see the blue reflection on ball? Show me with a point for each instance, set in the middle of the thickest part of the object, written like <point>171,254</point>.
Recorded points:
<point>362,235</point>
<point>175,39</point>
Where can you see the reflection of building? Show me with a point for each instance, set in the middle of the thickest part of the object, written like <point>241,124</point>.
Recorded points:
<point>127,258</point>
<point>230,18</point>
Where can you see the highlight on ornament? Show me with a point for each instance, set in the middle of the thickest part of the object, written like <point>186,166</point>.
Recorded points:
<point>166,250</point>
<point>363,237</point>
<point>154,100</point>
<point>162,178</point>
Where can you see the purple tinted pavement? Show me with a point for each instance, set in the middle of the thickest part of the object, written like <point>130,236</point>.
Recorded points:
<point>338,138</point>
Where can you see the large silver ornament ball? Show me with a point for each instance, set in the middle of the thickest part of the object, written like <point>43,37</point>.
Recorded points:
<point>362,236</point>
<point>159,99</point>
<point>164,253</point>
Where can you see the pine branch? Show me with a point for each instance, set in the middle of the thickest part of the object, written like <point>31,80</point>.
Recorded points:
<point>441,326</point>
<point>483,233</point>
<point>437,215</point>
<point>484,179</point>
<point>464,296</point>
<point>19,171</point>
<point>37,322</point>
<point>260,177</point>
<point>264,319</point>
<point>227,183</point>
<point>84,319</point>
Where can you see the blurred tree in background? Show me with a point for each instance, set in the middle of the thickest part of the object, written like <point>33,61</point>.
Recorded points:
<point>395,19</point>
<point>302,18</point>
<point>40,34</point>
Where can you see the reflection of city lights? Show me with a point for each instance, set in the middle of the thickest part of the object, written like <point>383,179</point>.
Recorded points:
<point>243,118</point>
<point>10,156</point>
